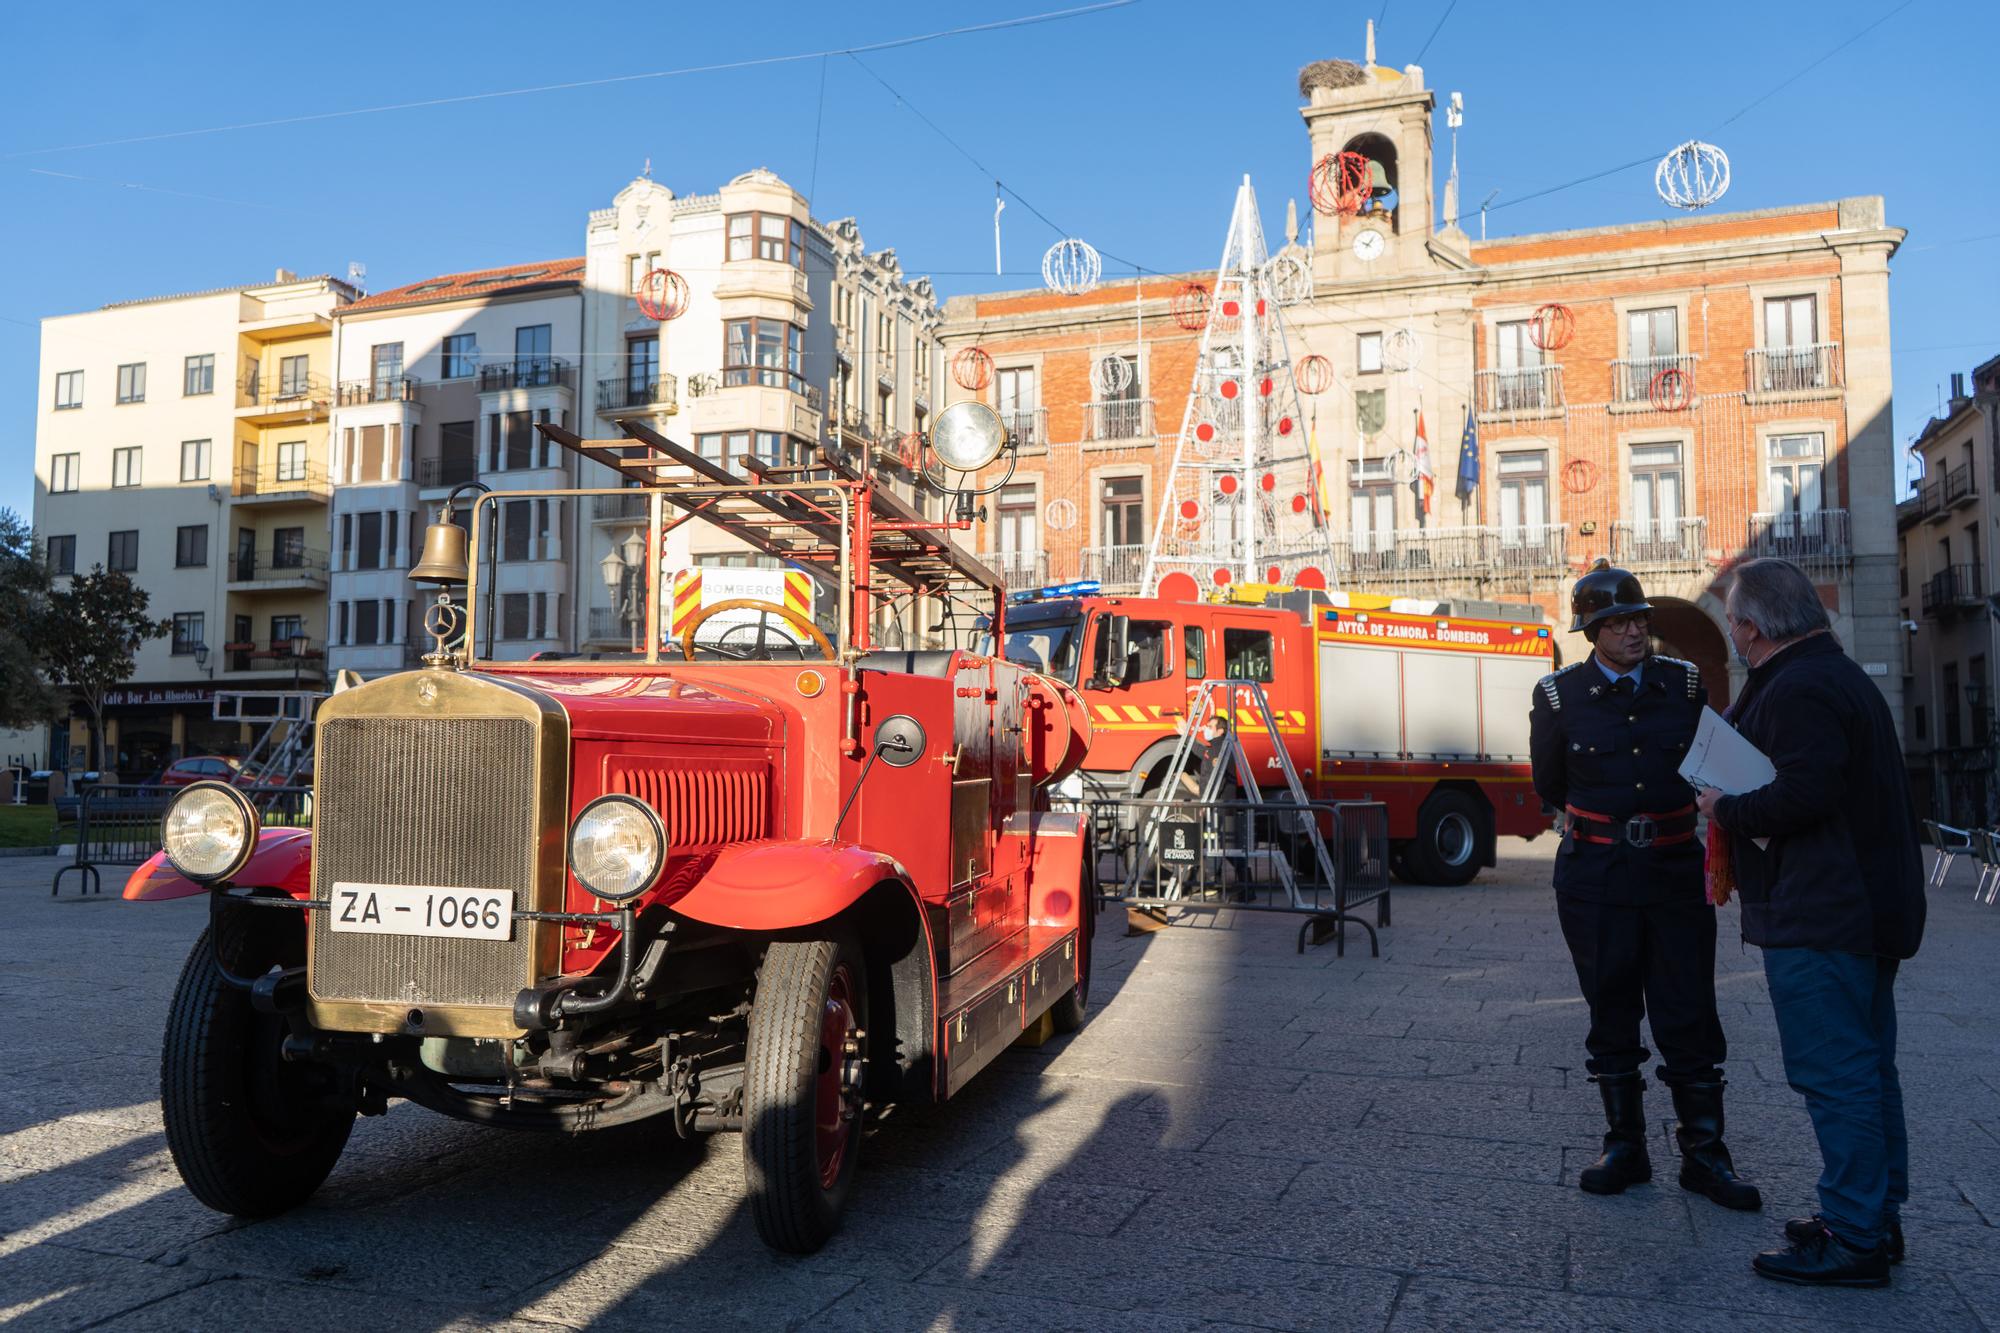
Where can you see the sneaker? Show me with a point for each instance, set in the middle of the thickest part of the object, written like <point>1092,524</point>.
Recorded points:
<point>1801,1228</point>
<point>1824,1260</point>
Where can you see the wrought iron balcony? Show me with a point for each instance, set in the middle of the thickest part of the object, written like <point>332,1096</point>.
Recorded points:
<point>607,625</point>
<point>1118,568</point>
<point>1458,553</point>
<point>451,470</point>
<point>386,389</point>
<point>1802,536</point>
<point>1958,487</point>
<point>282,480</point>
<point>1808,370</point>
<point>282,565</point>
<point>1632,378</point>
<point>1530,391</point>
<point>618,508</point>
<point>1019,569</point>
<point>1957,588</point>
<point>1029,427</point>
<point>1679,542</point>
<point>530,372</point>
<point>626,394</point>
<point>281,389</point>
<point>1118,419</point>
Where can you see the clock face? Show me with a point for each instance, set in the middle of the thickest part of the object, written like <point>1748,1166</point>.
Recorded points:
<point>1368,244</point>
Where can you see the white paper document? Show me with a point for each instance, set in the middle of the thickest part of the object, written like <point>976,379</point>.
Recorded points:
<point>1722,759</point>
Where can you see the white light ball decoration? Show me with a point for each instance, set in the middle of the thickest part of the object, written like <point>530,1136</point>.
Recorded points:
<point>1290,276</point>
<point>1694,175</point>
<point>1402,349</point>
<point>1059,515</point>
<point>1072,267</point>
<point>1110,375</point>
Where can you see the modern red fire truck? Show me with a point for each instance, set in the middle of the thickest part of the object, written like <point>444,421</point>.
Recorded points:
<point>1424,709</point>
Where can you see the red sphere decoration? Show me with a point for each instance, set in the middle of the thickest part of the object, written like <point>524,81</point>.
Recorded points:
<point>1314,374</point>
<point>972,368</point>
<point>1178,586</point>
<point>1552,326</point>
<point>1231,309</point>
<point>1190,510</point>
<point>1309,576</point>
<point>1204,432</point>
<point>1228,388</point>
<point>1272,574</point>
<point>1191,304</point>
<point>1298,504</point>
<point>1227,484</point>
<point>1579,475</point>
<point>1284,425</point>
<point>1260,307</point>
<point>1269,482</point>
<point>1339,184</point>
<point>1221,578</point>
<point>662,294</point>
<point>1669,390</point>
<point>1264,386</point>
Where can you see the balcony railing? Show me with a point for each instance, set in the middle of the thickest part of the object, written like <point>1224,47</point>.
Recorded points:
<point>1955,588</point>
<point>455,470</point>
<point>1804,371</point>
<point>385,389</point>
<point>1804,537</point>
<point>1019,569</point>
<point>854,422</point>
<point>1662,541</point>
<point>606,625</point>
<point>614,508</point>
<point>1029,427</point>
<point>281,478</point>
<point>625,393</point>
<point>281,565</point>
<point>1118,568</point>
<point>1418,554</point>
<point>281,389</point>
<point>1118,419</point>
<point>534,372</point>
<point>1958,488</point>
<point>1632,378</point>
<point>1529,391</point>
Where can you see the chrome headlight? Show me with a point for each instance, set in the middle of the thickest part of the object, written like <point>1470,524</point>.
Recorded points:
<point>617,846</point>
<point>210,831</point>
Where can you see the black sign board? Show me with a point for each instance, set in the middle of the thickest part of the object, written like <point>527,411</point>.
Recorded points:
<point>1180,840</point>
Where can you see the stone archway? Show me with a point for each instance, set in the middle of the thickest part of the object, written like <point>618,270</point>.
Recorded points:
<point>1685,630</point>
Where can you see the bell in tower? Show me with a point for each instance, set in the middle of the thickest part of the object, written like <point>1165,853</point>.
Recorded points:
<point>1381,116</point>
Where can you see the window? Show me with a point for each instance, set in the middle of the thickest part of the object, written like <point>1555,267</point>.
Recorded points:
<point>293,377</point>
<point>1368,353</point>
<point>123,553</point>
<point>1520,382</point>
<point>385,367</point>
<point>1247,654</point>
<point>1948,700</point>
<point>1018,533</point>
<point>63,469</point>
<point>1196,655</point>
<point>340,624</point>
<point>461,356</point>
<point>125,467</point>
<point>194,460</point>
<point>1120,512</point>
<point>635,273</point>
<point>1790,358</point>
<point>199,375</point>
<point>516,519</point>
<point>1791,321</point>
<point>1371,411</point>
<point>1982,702</point>
<point>1923,732</point>
<point>191,546</point>
<point>368,542</point>
<point>520,441</point>
<point>741,226</point>
<point>286,628</point>
<point>514,615</point>
<point>1652,344</point>
<point>367,622</point>
<point>1018,402</point>
<point>1371,510</point>
<point>69,389</point>
<point>1148,640</point>
<point>188,632</point>
<point>292,460</point>
<point>288,548</point>
<point>1121,416</point>
<point>1656,493</point>
<point>774,236</point>
<point>642,368</point>
<point>62,555</point>
<point>531,354</point>
<point>763,351</point>
<point>1524,496</point>
<point>722,449</point>
<point>1797,464</point>
<point>132,382</point>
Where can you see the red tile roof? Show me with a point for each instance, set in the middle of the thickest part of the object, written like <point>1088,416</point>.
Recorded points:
<point>486,282</point>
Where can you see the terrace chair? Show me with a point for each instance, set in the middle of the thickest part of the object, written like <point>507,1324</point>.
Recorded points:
<point>1949,843</point>
<point>1989,864</point>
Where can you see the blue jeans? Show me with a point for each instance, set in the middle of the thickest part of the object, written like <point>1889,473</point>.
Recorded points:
<point>1837,1026</point>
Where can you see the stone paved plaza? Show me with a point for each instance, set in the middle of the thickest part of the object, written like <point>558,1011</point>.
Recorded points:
<point>1242,1137</point>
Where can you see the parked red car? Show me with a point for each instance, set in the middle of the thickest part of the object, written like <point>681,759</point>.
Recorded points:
<point>199,768</point>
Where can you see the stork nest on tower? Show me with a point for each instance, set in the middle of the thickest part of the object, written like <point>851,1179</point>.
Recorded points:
<point>1329,74</point>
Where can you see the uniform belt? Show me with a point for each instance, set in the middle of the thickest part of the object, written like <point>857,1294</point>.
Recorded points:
<point>1642,830</point>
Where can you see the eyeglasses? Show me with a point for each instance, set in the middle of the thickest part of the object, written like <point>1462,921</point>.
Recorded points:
<point>1627,624</point>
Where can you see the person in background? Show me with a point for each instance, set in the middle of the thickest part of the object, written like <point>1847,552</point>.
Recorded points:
<point>1607,736</point>
<point>1826,860</point>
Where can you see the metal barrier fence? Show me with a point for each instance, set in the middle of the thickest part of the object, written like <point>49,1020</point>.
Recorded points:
<point>1246,856</point>
<point>118,824</point>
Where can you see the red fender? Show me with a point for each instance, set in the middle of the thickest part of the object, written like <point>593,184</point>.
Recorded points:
<point>782,885</point>
<point>283,860</point>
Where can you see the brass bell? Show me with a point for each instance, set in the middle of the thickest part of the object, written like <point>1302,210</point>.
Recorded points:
<point>444,561</point>
<point>1378,180</point>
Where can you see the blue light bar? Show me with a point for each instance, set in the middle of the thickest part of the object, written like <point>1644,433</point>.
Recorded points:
<point>1079,588</point>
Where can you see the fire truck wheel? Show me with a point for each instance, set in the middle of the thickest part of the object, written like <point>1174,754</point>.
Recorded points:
<point>1069,1012</point>
<point>1450,844</point>
<point>803,1089</point>
<point>252,1134</point>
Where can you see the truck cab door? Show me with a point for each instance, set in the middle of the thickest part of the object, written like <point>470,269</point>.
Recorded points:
<point>1261,649</point>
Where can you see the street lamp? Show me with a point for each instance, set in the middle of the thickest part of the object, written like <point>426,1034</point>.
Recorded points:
<point>300,640</point>
<point>201,657</point>
<point>626,561</point>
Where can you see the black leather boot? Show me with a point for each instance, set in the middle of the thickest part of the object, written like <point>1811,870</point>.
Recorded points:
<point>1705,1165</point>
<point>1624,1161</point>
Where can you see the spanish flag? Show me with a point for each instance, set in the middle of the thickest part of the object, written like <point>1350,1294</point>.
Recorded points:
<point>1424,483</point>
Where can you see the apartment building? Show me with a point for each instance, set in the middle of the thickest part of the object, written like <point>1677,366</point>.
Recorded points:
<point>183,440</point>
<point>1703,388</point>
<point>1946,547</point>
<point>441,383</point>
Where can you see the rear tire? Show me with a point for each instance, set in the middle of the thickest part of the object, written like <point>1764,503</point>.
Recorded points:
<point>803,1089</point>
<point>252,1134</point>
<point>1073,1008</point>
<point>1450,845</point>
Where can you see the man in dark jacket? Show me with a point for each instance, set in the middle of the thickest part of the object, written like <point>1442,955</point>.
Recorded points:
<point>1834,896</point>
<point>1607,737</point>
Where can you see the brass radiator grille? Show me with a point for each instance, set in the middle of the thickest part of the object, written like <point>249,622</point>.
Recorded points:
<point>445,801</point>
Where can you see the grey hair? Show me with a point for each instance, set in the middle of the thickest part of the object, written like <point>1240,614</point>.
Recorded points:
<point>1777,597</point>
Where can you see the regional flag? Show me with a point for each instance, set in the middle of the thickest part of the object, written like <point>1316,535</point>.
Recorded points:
<point>1468,462</point>
<point>1425,481</point>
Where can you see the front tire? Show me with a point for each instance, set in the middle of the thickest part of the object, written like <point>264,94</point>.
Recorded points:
<point>803,1089</point>
<point>252,1134</point>
<point>1451,841</point>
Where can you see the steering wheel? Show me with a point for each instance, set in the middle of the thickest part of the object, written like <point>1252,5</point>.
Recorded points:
<point>761,606</point>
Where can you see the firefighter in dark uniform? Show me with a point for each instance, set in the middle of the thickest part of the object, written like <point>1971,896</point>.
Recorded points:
<point>1608,735</point>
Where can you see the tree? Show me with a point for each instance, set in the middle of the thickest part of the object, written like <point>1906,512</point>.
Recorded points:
<point>26,698</point>
<point>93,628</point>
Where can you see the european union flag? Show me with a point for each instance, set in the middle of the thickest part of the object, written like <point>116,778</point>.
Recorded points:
<point>1468,461</point>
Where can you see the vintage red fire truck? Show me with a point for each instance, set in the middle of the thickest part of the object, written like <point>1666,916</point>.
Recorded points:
<point>754,886</point>
<point>1423,708</point>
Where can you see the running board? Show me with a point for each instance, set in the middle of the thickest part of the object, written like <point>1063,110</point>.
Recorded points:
<point>999,995</point>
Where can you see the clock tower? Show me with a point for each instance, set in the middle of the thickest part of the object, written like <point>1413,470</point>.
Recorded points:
<point>1385,116</point>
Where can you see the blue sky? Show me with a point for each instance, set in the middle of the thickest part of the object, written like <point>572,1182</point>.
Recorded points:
<point>1128,127</point>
